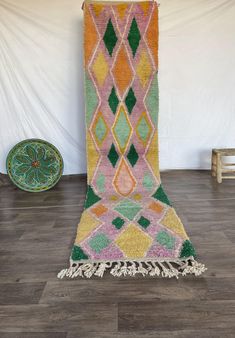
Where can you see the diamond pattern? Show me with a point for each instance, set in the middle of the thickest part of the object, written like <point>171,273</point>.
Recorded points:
<point>99,210</point>
<point>122,129</point>
<point>99,242</point>
<point>143,128</point>
<point>91,38</point>
<point>132,155</point>
<point>88,224</point>
<point>99,129</point>
<point>144,68</point>
<point>113,100</point>
<point>130,100</point>
<point>97,8</point>
<point>118,222</point>
<point>92,98</point>
<point>160,195</point>
<point>165,239</point>
<point>153,31</point>
<point>121,9</point>
<point>124,181</point>
<point>91,198</point>
<point>156,207</point>
<point>152,155</point>
<point>134,37</point>
<point>78,253</point>
<point>152,100</point>
<point>144,222</point>
<point>128,208</point>
<point>126,212</point>
<point>148,182</point>
<point>100,68</point>
<point>133,242</point>
<point>92,156</point>
<point>172,222</point>
<point>145,7</point>
<point>122,71</point>
<point>113,155</point>
<point>110,38</point>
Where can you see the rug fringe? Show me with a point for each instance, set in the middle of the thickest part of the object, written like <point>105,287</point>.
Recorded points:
<point>165,268</point>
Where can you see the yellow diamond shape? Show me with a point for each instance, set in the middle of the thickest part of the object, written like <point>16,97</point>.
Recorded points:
<point>172,222</point>
<point>85,226</point>
<point>144,68</point>
<point>134,242</point>
<point>92,157</point>
<point>121,9</point>
<point>152,155</point>
<point>100,68</point>
<point>97,8</point>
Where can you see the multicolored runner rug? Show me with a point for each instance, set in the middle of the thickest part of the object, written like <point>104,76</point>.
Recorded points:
<point>128,225</point>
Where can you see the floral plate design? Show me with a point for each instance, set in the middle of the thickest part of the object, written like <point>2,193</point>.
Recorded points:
<point>34,165</point>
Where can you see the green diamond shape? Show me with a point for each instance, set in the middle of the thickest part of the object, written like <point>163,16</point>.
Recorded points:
<point>92,98</point>
<point>132,155</point>
<point>143,129</point>
<point>152,101</point>
<point>100,182</point>
<point>134,37</point>
<point>122,129</point>
<point>100,129</point>
<point>148,181</point>
<point>113,100</point>
<point>118,222</point>
<point>128,208</point>
<point>144,222</point>
<point>110,38</point>
<point>165,239</point>
<point>130,100</point>
<point>113,155</point>
<point>99,242</point>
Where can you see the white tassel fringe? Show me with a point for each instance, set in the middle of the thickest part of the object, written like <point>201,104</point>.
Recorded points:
<point>165,268</point>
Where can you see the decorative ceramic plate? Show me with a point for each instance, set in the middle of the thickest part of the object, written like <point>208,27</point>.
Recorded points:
<point>34,165</point>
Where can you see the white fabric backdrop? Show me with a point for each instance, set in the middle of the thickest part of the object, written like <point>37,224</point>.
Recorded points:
<point>41,79</point>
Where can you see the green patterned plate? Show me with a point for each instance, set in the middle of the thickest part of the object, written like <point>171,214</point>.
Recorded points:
<point>34,165</point>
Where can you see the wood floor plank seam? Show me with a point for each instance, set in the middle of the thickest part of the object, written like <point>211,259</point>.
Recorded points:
<point>35,304</point>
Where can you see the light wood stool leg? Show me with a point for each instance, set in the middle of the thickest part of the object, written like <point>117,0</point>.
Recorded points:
<point>213,164</point>
<point>218,168</point>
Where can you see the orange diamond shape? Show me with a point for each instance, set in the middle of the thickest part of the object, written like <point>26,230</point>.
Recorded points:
<point>152,36</point>
<point>157,207</point>
<point>99,210</point>
<point>122,71</point>
<point>90,38</point>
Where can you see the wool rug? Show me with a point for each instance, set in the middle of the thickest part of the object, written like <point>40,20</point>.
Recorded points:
<point>128,225</point>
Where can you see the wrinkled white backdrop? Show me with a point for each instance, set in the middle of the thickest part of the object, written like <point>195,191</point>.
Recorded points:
<point>41,79</point>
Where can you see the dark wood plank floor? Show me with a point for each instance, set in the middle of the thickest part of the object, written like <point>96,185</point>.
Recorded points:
<point>36,235</point>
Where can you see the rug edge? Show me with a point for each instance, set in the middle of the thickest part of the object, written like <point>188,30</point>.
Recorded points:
<point>164,267</point>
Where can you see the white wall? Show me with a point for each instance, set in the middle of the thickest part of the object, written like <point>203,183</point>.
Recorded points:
<point>41,79</point>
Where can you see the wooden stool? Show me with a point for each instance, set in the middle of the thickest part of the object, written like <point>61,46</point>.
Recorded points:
<point>218,167</point>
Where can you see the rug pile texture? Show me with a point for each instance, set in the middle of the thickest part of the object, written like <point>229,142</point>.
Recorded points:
<point>128,225</point>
